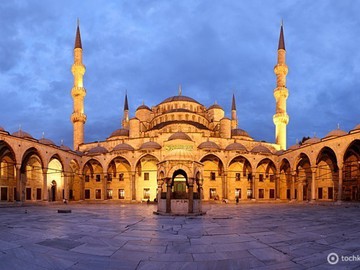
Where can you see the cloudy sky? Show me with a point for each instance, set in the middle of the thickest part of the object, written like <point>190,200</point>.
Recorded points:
<point>212,48</point>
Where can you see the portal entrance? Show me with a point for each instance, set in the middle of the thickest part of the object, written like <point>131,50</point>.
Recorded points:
<point>53,191</point>
<point>179,185</point>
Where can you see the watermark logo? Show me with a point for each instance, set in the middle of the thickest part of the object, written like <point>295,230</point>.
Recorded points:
<point>333,258</point>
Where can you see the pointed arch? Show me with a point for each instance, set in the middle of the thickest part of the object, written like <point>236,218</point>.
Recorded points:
<point>351,172</point>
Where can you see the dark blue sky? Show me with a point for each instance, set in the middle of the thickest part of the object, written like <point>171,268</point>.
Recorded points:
<point>212,48</point>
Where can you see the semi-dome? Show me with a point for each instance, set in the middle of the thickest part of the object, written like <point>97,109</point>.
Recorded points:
<point>22,134</point>
<point>236,147</point>
<point>238,132</point>
<point>123,132</point>
<point>65,148</point>
<point>260,149</point>
<point>97,150</point>
<point>312,140</point>
<point>180,136</point>
<point>46,141</point>
<point>215,106</point>
<point>123,147</point>
<point>143,107</point>
<point>209,145</point>
<point>335,133</point>
<point>179,98</point>
<point>150,146</point>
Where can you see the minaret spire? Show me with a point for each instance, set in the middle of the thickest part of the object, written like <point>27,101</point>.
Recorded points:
<point>125,120</point>
<point>281,93</point>
<point>78,36</point>
<point>78,92</point>
<point>234,121</point>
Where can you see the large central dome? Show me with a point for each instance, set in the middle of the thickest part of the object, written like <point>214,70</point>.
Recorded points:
<point>179,98</point>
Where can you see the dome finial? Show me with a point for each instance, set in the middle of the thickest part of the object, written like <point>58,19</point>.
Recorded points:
<point>180,90</point>
<point>338,126</point>
<point>62,142</point>
<point>43,135</point>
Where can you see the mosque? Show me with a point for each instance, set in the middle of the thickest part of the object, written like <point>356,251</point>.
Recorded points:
<point>180,149</point>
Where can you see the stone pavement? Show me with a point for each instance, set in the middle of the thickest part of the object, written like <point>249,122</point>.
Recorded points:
<point>129,236</point>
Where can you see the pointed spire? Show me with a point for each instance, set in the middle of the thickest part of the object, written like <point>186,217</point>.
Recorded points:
<point>126,104</point>
<point>78,37</point>
<point>281,38</point>
<point>180,90</point>
<point>233,105</point>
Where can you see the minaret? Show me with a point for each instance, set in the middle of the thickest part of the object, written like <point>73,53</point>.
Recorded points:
<point>281,93</point>
<point>78,92</point>
<point>125,120</point>
<point>234,121</point>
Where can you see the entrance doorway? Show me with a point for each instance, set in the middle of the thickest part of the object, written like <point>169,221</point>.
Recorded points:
<point>53,191</point>
<point>179,184</point>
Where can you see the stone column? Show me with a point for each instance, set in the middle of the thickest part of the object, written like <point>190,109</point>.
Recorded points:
<point>23,179</point>
<point>277,186</point>
<point>104,186</point>
<point>254,187</point>
<point>313,183</point>
<point>81,186</point>
<point>45,194</point>
<point>224,185</point>
<point>300,191</point>
<point>168,195</point>
<point>159,190</point>
<point>340,187</point>
<point>191,195</point>
<point>292,190</point>
<point>133,188</point>
<point>18,183</point>
<point>66,186</point>
<point>200,182</point>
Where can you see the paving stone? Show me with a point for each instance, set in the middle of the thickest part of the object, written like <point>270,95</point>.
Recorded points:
<point>129,236</point>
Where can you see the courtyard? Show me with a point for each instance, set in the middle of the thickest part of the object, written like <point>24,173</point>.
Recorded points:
<point>229,236</point>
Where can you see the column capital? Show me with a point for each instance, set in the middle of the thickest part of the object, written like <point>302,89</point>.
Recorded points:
<point>313,169</point>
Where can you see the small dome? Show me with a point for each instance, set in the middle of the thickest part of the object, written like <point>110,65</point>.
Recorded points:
<point>215,106</point>
<point>295,146</point>
<point>123,147</point>
<point>143,107</point>
<point>280,152</point>
<point>239,133</point>
<point>97,150</point>
<point>79,153</point>
<point>179,136</point>
<point>120,132</point>
<point>312,140</point>
<point>260,149</point>
<point>209,146</point>
<point>2,129</point>
<point>65,148</point>
<point>355,128</point>
<point>236,147</point>
<point>46,141</point>
<point>22,134</point>
<point>150,146</point>
<point>336,133</point>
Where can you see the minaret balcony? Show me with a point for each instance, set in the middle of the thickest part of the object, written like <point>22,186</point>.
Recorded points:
<point>281,92</point>
<point>281,118</point>
<point>78,92</point>
<point>281,69</point>
<point>78,69</point>
<point>78,117</point>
